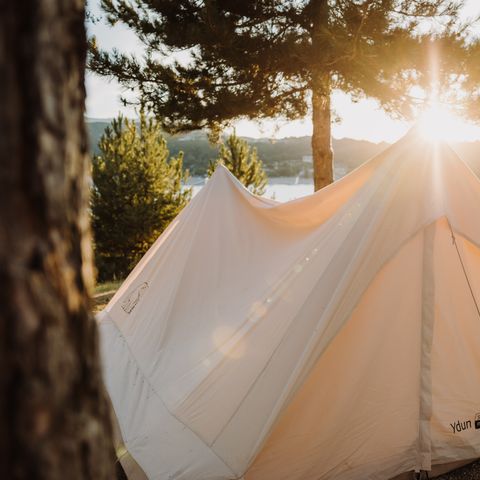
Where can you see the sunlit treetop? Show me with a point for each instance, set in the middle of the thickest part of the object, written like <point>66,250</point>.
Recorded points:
<point>262,59</point>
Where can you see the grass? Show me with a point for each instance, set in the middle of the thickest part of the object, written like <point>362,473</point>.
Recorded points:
<point>107,287</point>
<point>103,293</point>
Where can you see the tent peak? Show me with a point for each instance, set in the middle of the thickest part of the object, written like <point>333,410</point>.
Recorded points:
<point>423,133</point>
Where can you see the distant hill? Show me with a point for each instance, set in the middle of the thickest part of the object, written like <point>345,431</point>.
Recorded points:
<point>282,157</point>
<point>95,130</point>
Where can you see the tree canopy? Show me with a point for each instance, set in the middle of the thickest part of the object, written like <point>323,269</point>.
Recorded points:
<point>208,63</point>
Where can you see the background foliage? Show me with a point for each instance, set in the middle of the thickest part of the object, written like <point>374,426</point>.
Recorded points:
<point>137,190</point>
<point>243,162</point>
<point>280,157</point>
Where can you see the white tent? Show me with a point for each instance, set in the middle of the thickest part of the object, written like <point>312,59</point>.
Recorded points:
<point>336,336</point>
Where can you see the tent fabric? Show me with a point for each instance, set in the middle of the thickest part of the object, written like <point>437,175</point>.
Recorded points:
<point>336,336</point>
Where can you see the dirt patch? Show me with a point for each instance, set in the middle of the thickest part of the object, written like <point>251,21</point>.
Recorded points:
<point>468,472</point>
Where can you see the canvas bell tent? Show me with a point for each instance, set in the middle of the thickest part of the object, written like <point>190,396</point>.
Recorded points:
<point>336,336</point>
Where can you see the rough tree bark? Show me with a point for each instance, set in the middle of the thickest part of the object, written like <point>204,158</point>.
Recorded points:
<point>55,420</point>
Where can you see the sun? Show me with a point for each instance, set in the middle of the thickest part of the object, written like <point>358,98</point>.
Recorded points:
<point>439,123</point>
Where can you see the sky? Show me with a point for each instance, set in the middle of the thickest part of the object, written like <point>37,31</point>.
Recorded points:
<point>363,120</point>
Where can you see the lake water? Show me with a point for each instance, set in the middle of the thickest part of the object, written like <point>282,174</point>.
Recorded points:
<point>281,189</point>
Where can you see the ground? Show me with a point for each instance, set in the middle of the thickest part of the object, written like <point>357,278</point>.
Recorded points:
<point>469,472</point>
<point>103,293</point>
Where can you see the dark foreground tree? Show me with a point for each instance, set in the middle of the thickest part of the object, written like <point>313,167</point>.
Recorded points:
<point>263,59</point>
<point>137,191</point>
<point>55,420</point>
<point>243,162</point>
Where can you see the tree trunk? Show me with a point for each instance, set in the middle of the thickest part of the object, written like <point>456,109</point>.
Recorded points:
<point>55,421</point>
<point>321,139</point>
<point>321,88</point>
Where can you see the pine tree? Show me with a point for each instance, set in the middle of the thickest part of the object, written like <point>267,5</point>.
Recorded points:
<point>280,58</point>
<point>243,162</point>
<point>137,191</point>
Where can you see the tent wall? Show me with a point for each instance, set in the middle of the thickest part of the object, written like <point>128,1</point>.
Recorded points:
<point>359,407</point>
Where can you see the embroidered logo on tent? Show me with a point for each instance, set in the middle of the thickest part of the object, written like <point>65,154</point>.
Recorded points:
<point>134,297</point>
<point>477,421</point>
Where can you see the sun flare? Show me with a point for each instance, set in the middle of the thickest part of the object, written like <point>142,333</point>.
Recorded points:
<point>439,123</point>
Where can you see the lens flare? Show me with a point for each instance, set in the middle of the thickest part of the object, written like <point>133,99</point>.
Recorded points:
<point>438,123</point>
<point>226,341</point>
